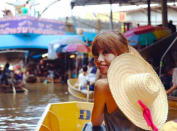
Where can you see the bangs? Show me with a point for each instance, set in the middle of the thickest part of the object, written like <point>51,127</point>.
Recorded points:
<point>101,45</point>
<point>110,42</point>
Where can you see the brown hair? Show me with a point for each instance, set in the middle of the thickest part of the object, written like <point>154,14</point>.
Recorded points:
<point>111,42</point>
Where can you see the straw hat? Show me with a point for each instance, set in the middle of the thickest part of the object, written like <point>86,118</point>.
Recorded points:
<point>131,79</point>
<point>169,126</point>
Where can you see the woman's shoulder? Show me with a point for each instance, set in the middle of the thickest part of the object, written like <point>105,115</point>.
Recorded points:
<point>101,83</point>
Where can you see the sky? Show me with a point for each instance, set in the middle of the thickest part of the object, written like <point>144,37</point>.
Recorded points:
<point>62,8</point>
<point>59,9</point>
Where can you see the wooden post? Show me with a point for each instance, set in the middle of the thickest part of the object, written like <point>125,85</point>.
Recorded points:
<point>111,22</point>
<point>149,11</point>
<point>98,25</point>
<point>88,92</point>
<point>164,13</point>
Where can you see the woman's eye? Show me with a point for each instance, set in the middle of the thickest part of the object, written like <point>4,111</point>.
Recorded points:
<point>105,52</point>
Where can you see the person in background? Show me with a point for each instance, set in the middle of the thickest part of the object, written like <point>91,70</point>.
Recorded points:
<point>42,70</point>
<point>78,64</point>
<point>172,91</point>
<point>83,79</point>
<point>18,77</point>
<point>172,26</point>
<point>166,78</point>
<point>6,74</point>
<point>92,71</point>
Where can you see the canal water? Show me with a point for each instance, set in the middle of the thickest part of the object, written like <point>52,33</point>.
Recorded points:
<point>23,111</point>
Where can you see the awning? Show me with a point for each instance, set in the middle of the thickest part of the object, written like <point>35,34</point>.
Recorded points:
<point>28,40</point>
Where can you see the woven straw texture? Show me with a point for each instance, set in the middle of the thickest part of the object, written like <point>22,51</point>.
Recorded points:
<point>121,68</point>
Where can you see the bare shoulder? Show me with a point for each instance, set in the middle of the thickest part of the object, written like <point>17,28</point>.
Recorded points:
<point>101,84</point>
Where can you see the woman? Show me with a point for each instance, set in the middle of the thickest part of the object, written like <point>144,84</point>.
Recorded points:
<point>105,48</point>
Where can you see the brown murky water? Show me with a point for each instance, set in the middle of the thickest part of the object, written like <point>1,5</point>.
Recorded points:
<point>23,111</point>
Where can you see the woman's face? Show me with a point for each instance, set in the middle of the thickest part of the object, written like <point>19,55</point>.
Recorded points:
<point>103,61</point>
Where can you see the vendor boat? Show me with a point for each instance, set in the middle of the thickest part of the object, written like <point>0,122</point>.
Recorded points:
<point>73,89</point>
<point>13,88</point>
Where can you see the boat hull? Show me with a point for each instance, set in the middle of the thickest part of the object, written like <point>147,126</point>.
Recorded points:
<point>72,116</point>
<point>68,116</point>
<point>9,89</point>
<point>172,102</point>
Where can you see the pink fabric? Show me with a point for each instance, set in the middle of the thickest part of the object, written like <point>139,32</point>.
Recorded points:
<point>76,47</point>
<point>147,116</point>
<point>144,29</point>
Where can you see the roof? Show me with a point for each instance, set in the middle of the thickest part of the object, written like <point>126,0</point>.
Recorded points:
<point>123,2</point>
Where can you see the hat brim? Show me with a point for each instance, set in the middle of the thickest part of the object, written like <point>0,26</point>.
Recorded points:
<point>122,67</point>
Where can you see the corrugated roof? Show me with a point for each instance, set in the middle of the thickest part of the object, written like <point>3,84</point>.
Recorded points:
<point>123,2</point>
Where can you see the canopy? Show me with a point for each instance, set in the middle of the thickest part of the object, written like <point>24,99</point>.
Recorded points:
<point>28,41</point>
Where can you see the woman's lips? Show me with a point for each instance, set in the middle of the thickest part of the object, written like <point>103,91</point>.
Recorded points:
<point>103,67</point>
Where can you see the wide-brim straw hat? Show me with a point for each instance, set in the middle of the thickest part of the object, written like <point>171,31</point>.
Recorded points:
<point>130,79</point>
<point>169,126</point>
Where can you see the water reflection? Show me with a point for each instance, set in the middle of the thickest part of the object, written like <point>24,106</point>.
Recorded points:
<point>23,111</point>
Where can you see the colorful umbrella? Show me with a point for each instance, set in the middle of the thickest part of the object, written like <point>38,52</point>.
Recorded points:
<point>161,32</point>
<point>146,38</point>
<point>60,44</point>
<point>146,35</point>
<point>76,48</point>
<point>144,29</point>
<point>142,35</point>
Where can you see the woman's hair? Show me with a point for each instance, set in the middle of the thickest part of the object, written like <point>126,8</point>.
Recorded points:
<point>111,42</point>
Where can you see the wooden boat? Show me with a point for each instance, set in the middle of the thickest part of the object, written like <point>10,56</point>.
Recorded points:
<point>172,101</point>
<point>81,94</point>
<point>72,116</point>
<point>69,116</point>
<point>13,88</point>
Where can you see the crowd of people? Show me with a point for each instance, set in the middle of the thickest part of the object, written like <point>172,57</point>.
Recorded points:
<point>41,72</point>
